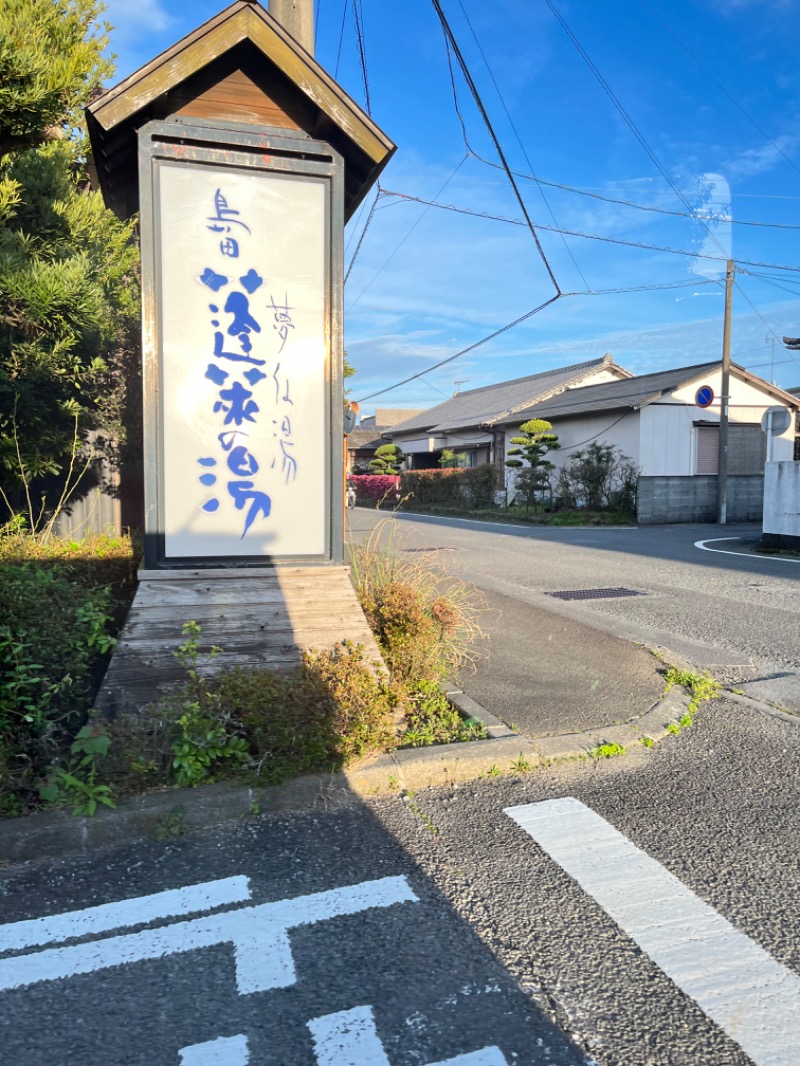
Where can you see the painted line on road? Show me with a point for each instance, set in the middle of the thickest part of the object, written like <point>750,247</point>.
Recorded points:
<point>136,911</point>
<point>742,555</point>
<point>734,981</point>
<point>349,1038</point>
<point>225,1051</point>
<point>259,935</point>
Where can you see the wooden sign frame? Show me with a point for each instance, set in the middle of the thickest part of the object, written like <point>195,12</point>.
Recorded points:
<point>243,149</point>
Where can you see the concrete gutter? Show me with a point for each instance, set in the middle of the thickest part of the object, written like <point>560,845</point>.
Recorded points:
<point>160,816</point>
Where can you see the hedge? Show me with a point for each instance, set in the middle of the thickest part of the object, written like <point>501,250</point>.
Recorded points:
<point>460,489</point>
<point>374,487</point>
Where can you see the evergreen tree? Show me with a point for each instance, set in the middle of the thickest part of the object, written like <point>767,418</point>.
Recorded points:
<point>533,444</point>
<point>388,460</point>
<point>68,267</point>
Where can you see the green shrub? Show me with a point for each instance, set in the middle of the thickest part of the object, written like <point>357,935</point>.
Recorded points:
<point>53,639</point>
<point>599,477</point>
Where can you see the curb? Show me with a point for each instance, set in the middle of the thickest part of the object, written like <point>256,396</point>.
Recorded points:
<point>161,816</point>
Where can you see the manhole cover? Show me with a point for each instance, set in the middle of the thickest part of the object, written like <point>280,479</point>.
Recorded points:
<point>594,594</point>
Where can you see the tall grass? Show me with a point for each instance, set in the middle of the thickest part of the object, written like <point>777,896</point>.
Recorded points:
<point>426,621</point>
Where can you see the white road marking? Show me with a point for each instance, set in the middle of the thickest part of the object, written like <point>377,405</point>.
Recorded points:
<point>259,935</point>
<point>349,1038</point>
<point>225,1051</point>
<point>733,980</point>
<point>136,911</point>
<point>721,551</point>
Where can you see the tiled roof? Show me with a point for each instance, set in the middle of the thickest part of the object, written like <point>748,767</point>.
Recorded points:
<point>365,438</point>
<point>491,403</point>
<point>611,395</point>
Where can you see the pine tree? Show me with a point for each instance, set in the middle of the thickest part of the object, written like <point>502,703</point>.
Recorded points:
<point>388,459</point>
<point>533,444</point>
<point>68,267</point>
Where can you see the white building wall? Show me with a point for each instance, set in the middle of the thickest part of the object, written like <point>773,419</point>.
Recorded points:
<point>669,438</point>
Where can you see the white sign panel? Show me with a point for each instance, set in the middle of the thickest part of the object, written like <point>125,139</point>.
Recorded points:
<point>243,388</point>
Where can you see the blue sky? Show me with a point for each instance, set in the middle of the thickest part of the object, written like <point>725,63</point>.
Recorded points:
<point>712,88</point>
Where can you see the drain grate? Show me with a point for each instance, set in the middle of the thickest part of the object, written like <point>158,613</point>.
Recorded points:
<point>594,594</point>
<point>446,549</point>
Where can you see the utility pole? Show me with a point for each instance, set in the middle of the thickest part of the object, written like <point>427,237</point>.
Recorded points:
<point>297,18</point>
<point>722,468</point>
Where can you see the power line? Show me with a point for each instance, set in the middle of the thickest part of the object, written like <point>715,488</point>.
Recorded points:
<point>465,351</point>
<point>484,115</point>
<point>341,39</point>
<point>593,236</point>
<point>397,248</point>
<point>721,88</point>
<point>627,119</point>
<point>358,18</point>
<point>757,312</point>
<point>650,208</point>
<point>519,142</point>
<point>363,234</point>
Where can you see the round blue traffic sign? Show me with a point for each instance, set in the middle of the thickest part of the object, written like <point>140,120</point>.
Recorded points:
<point>704,396</point>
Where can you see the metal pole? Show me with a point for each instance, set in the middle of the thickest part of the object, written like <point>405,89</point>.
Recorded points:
<point>297,18</point>
<point>722,470</point>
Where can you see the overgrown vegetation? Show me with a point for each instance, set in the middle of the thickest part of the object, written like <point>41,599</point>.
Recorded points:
<point>599,477</point>
<point>61,603</point>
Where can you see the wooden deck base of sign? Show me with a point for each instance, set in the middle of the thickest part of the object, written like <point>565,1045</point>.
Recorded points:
<point>257,617</point>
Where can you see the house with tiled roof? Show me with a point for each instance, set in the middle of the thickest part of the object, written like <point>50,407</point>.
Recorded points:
<point>472,422</point>
<point>668,424</point>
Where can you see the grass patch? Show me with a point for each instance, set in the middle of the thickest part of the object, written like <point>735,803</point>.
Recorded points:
<point>699,686</point>
<point>606,751</point>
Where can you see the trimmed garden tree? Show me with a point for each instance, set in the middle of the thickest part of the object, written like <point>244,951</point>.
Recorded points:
<point>388,460</point>
<point>532,469</point>
<point>68,267</point>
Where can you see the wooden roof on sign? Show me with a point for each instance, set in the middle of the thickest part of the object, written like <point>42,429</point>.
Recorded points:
<point>240,67</point>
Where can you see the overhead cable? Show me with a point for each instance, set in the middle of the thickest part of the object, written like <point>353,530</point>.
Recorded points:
<point>721,87</point>
<point>358,18</point>
<point>363,234</point>
<point>519,142</point>
<point>694,216</point>
<point>627,119</point>
<point>381,193</point>
<point>498,148</point>
<point>464,351</point>
<point>592,236</point>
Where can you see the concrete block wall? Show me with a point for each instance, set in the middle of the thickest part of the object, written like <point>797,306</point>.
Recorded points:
<point>694,499</point>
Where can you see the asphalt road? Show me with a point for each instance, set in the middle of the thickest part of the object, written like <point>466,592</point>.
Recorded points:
<point>736,614</point>
<point>484,943</point>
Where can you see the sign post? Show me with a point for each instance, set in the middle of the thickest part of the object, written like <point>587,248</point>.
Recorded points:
<point>249,160</point>
<point>245,160</point>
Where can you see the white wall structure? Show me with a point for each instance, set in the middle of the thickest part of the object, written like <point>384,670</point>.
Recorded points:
<point>782,505</point>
